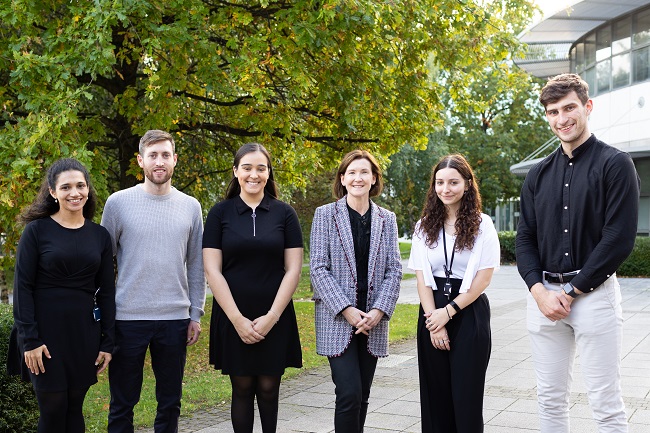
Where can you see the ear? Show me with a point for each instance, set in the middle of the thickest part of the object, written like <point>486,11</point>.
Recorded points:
<point>140,161</point>
<point>234,171</point>
<point>589,106</point>
<point>52,193</point>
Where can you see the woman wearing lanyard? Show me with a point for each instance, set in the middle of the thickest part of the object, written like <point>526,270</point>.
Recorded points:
<point>454,253</point>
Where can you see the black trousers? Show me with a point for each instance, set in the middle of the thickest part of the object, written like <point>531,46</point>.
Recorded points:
<point>352,374</point>
<point>167,342</point>
<point>452,382</point>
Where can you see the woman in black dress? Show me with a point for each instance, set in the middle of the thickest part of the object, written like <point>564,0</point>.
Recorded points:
<point>64,269</point>
<point>252,254</point>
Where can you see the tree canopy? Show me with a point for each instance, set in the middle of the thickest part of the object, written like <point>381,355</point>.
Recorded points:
<point>308,79</point>
<point>505,125</point>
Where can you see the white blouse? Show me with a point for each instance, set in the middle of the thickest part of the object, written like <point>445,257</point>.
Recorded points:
<point>485,254</point>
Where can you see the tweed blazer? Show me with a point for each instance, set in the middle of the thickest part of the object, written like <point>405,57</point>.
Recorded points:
<point>334,276</point>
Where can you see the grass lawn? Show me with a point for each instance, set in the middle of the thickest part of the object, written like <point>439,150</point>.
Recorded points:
<point>204,387</point>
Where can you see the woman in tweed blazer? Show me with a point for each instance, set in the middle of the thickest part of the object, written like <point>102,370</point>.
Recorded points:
<point>356,273</point>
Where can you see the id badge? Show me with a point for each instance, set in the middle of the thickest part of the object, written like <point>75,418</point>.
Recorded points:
<point>97,314</point>
<point>447,288</point>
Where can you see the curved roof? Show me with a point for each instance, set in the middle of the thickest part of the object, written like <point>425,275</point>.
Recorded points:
<point>549,40</point>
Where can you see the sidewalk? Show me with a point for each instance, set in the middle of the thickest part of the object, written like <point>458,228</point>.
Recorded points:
<point>307,401</point>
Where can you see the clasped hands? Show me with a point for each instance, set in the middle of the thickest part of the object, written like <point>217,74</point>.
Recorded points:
<point>435,322</point>
<point>554,304</point>
<point>362,321</point>
<point>254,331</point>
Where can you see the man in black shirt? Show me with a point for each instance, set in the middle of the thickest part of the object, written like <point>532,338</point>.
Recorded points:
<point>577,225</point>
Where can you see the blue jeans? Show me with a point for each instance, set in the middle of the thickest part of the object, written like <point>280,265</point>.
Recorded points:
<point>167,342</point>
<point>352,374</point>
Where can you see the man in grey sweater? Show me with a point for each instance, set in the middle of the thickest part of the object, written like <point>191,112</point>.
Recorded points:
<point>156,232</point>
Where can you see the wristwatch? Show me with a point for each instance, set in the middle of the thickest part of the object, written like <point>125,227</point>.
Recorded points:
<point>571,292</point>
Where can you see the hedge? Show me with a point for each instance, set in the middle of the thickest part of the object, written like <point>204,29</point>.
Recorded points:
<point>636,265</point>
<point>18,406</point>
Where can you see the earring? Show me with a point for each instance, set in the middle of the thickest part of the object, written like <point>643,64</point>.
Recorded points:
<point>56,200</point>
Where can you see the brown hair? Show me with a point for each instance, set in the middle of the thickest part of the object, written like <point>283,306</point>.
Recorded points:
<point>561,85</point>
<point>468,217</point>
<point>339,190</point>
<point>154,136</point>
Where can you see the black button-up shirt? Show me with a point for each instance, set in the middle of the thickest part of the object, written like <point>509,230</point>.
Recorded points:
<point>578,213</point>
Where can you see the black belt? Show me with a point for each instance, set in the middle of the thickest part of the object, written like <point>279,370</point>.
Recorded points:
<point>559,278</point>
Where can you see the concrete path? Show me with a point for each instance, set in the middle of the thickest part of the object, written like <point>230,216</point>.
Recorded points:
<point>307,401</point>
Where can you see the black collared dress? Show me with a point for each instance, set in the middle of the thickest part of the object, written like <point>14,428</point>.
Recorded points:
<point>253,265</point>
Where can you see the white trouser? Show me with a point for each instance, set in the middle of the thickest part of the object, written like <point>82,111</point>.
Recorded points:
<point>595,326</point>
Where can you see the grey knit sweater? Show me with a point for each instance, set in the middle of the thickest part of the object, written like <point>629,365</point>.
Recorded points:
<point>157,241</point>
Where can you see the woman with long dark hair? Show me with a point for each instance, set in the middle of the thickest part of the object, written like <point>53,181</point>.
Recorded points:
<point>356,273</point>
<point>64,297</point>
<point>252,255</point>
<point>455,250</point>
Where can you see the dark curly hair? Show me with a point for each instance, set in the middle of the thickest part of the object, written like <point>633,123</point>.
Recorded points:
<point>44,204</point>
<point>468,217</point>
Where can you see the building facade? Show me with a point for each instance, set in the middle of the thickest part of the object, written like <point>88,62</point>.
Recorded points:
<point>608,43</point>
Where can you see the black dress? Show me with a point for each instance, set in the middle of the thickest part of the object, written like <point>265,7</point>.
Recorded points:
<point>253,265</point>
<point>57,273</point>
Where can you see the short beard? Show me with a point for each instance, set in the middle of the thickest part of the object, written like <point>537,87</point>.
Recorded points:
<point>159,182</point>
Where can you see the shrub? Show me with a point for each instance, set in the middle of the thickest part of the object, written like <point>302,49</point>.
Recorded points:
<point>18,406</point>
<point>638,263</point>
<point>507,241</point>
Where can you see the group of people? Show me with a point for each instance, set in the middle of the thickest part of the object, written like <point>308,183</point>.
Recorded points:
<point>73,317</point>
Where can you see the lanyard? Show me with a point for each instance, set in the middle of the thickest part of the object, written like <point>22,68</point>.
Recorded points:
<point>447,266</point>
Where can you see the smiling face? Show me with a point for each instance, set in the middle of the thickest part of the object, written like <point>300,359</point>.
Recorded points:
<point>450,187</point>
<point>252,173</point>
<point>158,162</point>
<point>71,191</point>
<point>568,119</point>
<point>358,178</point>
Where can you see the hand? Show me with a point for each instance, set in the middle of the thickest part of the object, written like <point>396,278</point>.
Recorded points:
<point>263,324</point>
<point>246,332</point>
<point>440,339</point>
<point>34,359</point>
<point>354,316</point>
<point>553,304</point>
<point>103,358</point>
<point>436,320</point>
<point>369,320</point>
<point>193,332</point>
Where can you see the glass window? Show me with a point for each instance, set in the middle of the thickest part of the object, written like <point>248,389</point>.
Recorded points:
<point>603,74</point>
<point>641,28</point>
<point>641,65</point>
<point>603,43</point>
<point>590,49</point>
<point>621,70</point>
<point>590,78</point>
<point>621,36</point>
<point>580,57</point>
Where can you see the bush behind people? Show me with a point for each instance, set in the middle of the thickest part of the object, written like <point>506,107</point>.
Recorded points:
<point>636,265</point>
<point>18,406</point>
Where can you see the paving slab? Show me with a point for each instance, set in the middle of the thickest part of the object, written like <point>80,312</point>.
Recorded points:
<point>510,406</point>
